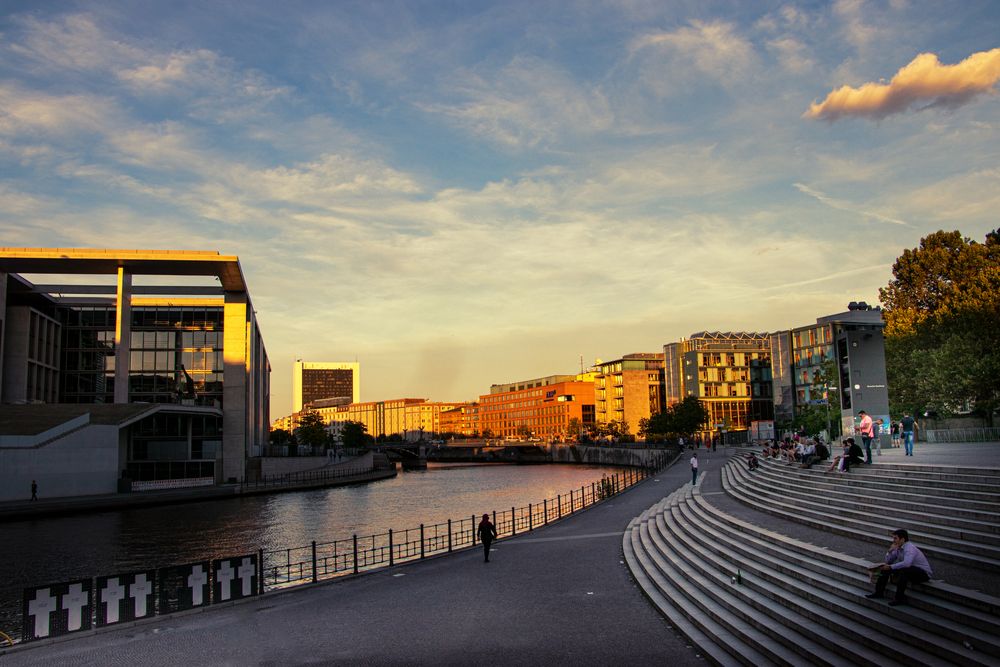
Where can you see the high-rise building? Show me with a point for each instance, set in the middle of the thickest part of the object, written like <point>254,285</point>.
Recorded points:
<point>729,372</point>
<point>318,380</point>
<point>181,370</point>
<point>629,389</point>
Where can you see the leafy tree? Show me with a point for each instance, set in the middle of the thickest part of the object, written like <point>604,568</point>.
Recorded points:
<point>280,437</point>
<point>574,428</point>
<point>941,310</point>
<point>354,435</point>
<point>825,382</point>
<point>679,419</point>
<point>312,430</point>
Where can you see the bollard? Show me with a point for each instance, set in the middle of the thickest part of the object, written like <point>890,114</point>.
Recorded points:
<point>355,553</point>
<point>390,548</point>
<point>314,561</point>
<point>449,535</point>
<point>421,541</point>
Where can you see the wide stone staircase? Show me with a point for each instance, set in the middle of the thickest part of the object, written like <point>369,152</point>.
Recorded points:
<point>749,595</point>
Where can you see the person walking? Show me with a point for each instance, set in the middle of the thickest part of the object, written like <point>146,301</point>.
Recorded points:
<point>34,490</point>
<point>694,468</point>
<point>895,434</point>
<point>877,430</point>
<point>908,425</point>
<point>487,533</point>
<point>904,560</point>
<point>866,428</point>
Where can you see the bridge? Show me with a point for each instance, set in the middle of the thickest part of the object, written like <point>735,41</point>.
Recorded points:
<point>415,455</point>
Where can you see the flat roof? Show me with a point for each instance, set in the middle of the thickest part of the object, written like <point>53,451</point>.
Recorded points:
<point>138,262</point>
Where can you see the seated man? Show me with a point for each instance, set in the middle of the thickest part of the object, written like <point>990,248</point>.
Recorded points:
<point>855,455</point>
<point>819,453</point>
<point>752,462</point>
<point>905,561</point>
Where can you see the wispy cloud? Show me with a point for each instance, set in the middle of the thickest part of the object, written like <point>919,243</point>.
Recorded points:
<point>842,205</point>
<point>713,49</point>
<point>924,80</point>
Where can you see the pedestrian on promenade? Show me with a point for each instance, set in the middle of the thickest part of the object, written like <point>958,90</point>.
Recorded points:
<point>487,533</point>
<point>694,468</point>
<point>34,490</point>
<point>895,434</point>
<point>908,425</point>
<point>865,429</point>
<point>904,561</point>
<point>877,430</point>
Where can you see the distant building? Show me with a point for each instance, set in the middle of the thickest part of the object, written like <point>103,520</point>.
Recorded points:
<point>629,389</point>
<point>729,372</point>
<point>189,360</point>
<point>461,420</point>
<point>541,408</point>
<point>854,341</point>
<point>317,380</point>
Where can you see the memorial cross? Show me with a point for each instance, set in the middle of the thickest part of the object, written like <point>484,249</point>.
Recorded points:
<point>41,608</point>
<point>196,582</point>
<point>139,591</point>
<point>75,600</point>
<point>224,576</point>
<point>245,573</point>
<point>112,594</point>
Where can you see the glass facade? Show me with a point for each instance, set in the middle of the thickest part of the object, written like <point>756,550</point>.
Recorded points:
<point>320,383</point>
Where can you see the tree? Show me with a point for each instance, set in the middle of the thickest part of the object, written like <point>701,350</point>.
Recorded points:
<point>354,435</point>
<point>825,382</point>
<point>574,428</point>
<point>281,437</point>
<point>942,342</point>
<point>312,430</point>
<point>679,419</point>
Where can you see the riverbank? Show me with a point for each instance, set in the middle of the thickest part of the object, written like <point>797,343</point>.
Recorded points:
<point>17,510</point>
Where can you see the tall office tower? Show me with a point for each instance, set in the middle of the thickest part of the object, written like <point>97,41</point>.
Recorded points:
<point>315,380</point>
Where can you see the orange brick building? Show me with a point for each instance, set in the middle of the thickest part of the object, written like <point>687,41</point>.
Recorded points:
<point>541,408</point>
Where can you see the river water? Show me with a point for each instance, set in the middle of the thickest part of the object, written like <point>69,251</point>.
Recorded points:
<point>52,550</point>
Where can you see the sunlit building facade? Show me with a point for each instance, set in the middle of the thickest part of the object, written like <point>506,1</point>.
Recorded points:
<point>319,380</point>
<point>729,373</point>
<point>540,408</point>
<point>629,389</point>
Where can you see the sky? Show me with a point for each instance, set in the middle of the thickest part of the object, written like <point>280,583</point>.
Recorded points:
<point>457,194</point>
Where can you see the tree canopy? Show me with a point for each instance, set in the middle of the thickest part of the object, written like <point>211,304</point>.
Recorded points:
<point>354,435</point>
<point>942,340</point>
<point>312,430</point>
<point>683,418</point>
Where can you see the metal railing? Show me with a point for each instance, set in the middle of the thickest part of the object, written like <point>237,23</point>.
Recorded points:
<point>324,560</point>
<point>980,434</point>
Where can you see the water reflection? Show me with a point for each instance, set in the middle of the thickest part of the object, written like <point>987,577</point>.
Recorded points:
<point>60,549</point>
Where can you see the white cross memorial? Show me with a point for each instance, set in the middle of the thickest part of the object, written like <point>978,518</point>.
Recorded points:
<point>196,582</point>
<point>139,591</point>
<point>75,600</point>
<point>111,595</point>
<point>245,571</point>
<point>224,576</point>
<point>41,608</point>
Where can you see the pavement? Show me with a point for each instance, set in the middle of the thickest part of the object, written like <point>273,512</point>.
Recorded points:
<point>560,594</point>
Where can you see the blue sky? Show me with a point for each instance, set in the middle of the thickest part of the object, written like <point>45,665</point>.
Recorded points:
<point>465,193</point>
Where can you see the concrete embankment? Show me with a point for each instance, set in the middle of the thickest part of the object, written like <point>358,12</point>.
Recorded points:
<point>337,476</point>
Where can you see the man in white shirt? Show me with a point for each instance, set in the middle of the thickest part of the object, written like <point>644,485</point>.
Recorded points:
<point>694,468</point>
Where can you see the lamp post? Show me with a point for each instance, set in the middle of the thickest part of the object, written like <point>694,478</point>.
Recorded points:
<point>829,427</point>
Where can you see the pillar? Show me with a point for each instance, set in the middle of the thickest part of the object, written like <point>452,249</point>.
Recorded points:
<point>234,386</point>
<point>123,334</point>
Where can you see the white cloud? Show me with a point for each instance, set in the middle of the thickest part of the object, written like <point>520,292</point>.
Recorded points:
<point>703,49</point>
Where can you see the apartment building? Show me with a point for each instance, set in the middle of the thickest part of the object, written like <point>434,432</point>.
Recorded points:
<point>629,389</point>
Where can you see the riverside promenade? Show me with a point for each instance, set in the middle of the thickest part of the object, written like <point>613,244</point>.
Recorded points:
<point>560,594</point>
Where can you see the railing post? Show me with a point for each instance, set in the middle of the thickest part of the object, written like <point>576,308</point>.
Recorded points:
<point>593,492</point>
<point>421,541</point>
<point>314,561</point>
<point>494,518</point>
<point>473,524</point>
<point>391,563</point>
<point>583,498</point>
<point>513,522</point>
<point>355,553</point>
<point>546,501</point>
<point>531,523</point>
<point>558,505</point>
<point>449,535</point>
<point>571,501</point>
<point>260,567</point>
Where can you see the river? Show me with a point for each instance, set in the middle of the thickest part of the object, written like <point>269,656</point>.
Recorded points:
<point>51,550</point>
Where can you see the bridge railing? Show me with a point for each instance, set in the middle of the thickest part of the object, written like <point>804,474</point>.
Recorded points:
<point>325,560</point>
<point>304,477</point>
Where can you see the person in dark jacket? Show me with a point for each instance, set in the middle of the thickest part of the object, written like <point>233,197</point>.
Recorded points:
<point>487,533</point>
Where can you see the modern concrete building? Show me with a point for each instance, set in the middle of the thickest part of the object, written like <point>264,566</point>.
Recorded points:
<point>189,359</point>
<point>629,389</point>
<point>318,380</point>
<point>855,342</point>
<point>729,372</point>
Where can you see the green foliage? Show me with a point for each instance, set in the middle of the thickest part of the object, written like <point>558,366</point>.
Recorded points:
<point>680,419</point>
<point>942,339</point>
<point>312,430</point>
<point>574,428</point>
<point>281,437</point>
<point>354,435</point>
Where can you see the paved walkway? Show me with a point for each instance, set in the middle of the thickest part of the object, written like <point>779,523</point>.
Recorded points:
<point>558,595</point>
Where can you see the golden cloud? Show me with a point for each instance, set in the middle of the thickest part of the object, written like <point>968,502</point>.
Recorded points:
<point>925,79</point>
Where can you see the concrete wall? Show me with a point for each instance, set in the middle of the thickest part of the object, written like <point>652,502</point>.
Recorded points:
<point>284,465</point>
<point>606,455</point>
<point>83,462</point>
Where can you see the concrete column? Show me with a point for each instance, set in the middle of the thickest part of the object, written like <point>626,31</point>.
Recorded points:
<point>234,386</point>
<point>123,334</point>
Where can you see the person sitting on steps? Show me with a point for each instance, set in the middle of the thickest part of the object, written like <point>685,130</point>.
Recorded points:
<point>905,561</point>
